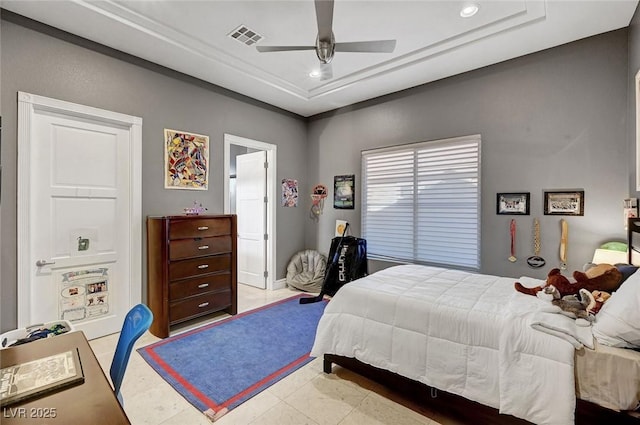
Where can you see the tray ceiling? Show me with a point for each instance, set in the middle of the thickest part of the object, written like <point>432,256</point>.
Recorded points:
<point>433,40</point>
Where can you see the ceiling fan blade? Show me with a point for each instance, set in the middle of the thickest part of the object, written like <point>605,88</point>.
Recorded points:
<point>324,17</point>
<point>283,48</point>
<point>376,46</point>
<point>326,71</point>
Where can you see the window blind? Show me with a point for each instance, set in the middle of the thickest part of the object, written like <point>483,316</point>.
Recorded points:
<point>421,202</point>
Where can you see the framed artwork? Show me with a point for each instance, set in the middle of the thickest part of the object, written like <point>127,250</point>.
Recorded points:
<point>512,203</point>
<point>186,160</point>
<point>565,202</point>
<point>289,192</point>
<point>344,192</point>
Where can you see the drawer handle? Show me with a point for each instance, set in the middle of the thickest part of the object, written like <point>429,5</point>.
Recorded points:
<point>203,247</point>
<point>203,305</point>
<point>203,285</point>
<point>203,266</point>
<point>203,228</point>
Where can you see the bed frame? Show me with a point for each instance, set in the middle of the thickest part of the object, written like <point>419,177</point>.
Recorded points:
<point>451,406</point>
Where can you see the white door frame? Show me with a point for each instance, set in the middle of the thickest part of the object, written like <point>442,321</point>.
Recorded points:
<point>28,104</point>
<point>230,139</point>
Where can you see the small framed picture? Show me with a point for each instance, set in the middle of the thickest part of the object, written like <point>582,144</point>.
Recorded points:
<point>344,188</point>
<point>564,202</point>
<point>513,203</point>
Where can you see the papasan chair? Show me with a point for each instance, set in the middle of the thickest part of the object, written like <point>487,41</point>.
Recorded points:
<point>306,270</point>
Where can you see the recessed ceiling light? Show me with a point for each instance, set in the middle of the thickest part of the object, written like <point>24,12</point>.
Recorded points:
<point>315,73</point>
<point>469,10</point>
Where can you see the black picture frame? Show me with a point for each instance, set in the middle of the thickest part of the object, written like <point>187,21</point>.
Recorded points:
<point>564,202</point>
<point>513,203</point>
<point>344,191</point>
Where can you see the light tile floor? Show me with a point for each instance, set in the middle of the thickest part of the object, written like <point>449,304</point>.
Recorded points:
<point>306,397</point>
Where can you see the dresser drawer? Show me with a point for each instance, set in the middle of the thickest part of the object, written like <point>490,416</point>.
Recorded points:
<point>198,305</point>
<point>198,247</point>
<point>190,287</point>
<point>199,227</point>
<point>199,266</point>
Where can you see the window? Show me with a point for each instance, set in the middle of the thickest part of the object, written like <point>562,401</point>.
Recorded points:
<point>421,202</point>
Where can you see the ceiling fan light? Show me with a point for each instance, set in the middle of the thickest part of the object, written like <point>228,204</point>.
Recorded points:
<point>469,10</point>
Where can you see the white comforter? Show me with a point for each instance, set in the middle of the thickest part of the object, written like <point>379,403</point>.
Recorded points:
<point>464,333</point>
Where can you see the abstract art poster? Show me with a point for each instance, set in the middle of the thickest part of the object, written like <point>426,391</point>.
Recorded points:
<point>289,193</point>
<point>84,294</point>
<point>344,192</point>
<point>186,160</point>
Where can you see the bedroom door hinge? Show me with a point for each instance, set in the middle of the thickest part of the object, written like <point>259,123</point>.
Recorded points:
<point>266,164</point>
<point>266,236</point>
<point>266,200</point>
<point>265,274</point>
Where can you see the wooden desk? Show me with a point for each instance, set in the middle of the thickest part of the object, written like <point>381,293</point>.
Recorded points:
<point>91,402</point>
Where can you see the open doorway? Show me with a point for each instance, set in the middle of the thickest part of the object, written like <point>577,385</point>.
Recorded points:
<point>250,192</point>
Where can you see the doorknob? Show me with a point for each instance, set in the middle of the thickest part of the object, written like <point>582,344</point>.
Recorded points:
<point>41,263</point>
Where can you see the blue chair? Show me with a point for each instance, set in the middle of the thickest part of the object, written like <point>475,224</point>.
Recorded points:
<point>136,322</point>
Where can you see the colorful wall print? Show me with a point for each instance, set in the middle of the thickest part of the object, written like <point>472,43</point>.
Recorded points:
<point>84,294</point>
<point>186,161</point>
<point>289,193</point>
<point>344,192</point>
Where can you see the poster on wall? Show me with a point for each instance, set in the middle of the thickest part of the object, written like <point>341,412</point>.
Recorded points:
<point>344,191</point>
<point>289,193</point>
<point>84,294</point>
<point>186,160</point>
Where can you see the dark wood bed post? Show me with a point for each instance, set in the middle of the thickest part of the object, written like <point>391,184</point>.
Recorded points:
<point>633,226</point>
<point>327,365</point>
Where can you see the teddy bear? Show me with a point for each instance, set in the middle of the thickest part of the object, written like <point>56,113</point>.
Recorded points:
<point>607,277</point>
<point>609,280</point>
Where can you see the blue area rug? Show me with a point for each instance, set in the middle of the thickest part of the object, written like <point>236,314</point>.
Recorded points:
<point>219,366</point>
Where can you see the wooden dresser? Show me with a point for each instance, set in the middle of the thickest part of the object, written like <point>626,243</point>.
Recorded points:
<point>191,268</point>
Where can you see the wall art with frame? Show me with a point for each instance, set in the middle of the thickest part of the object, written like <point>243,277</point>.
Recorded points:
<point>513,203</point>
<point>564,202</point>
<point>344,189</point>
<point>186,160</point>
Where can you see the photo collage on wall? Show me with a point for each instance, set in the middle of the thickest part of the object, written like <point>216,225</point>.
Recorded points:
<point>84,294</point>
<point>289,192</point>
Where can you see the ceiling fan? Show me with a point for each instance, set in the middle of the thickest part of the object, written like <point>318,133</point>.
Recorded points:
<point>326,45</point>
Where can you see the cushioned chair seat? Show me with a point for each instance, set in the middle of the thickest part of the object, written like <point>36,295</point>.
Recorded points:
<point>306,270</point>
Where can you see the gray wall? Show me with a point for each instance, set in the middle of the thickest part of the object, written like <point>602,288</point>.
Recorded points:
<point>551,120</point>
<point>61,67</point>
<point>556,119</point>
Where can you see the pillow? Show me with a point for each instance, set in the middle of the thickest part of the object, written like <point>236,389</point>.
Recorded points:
<point>626,270</point>
<point>618,322</point>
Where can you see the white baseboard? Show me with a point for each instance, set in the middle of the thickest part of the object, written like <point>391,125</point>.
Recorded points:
<point>280,284</point>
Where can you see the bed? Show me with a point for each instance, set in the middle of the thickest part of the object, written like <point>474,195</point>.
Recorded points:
<point>470,335</point>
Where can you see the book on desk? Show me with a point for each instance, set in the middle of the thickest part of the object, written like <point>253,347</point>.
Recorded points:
<point>38,377</point>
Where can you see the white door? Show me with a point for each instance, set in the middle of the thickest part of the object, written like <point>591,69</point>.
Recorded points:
<point>79,215</point>
<point>251,191</point>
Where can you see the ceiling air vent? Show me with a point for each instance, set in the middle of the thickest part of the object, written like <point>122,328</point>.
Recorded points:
<point>245,36</point>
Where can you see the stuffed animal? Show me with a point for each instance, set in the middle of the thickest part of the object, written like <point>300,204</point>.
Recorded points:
<point>599,298</point>
<point>604,277</point>
<point>608,281</point>
<point>584,305</point>
<point>576,306</point>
